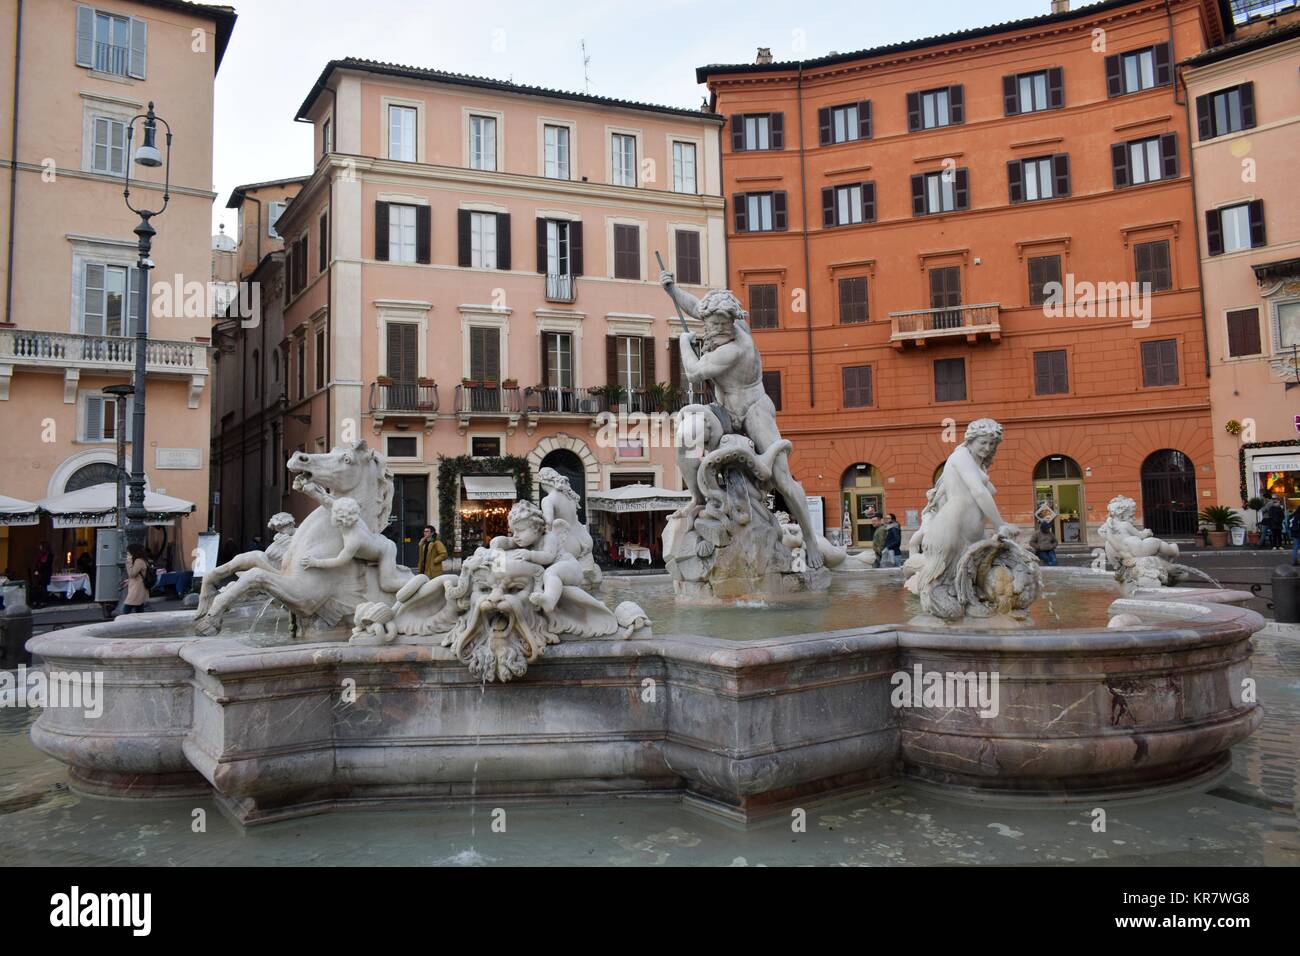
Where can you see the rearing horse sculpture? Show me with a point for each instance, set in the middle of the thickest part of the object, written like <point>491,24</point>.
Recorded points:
<point>321,594</point>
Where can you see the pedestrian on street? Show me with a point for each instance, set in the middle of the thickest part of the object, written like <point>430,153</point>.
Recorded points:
<point>137,593</point>
<point>44,571</point>
<point>1273,518</point>
<point>1043,544</point>
<point>432,552</point>
<point>893,541</point>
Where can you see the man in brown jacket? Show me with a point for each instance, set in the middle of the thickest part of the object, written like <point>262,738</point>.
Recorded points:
<point>432,552</point>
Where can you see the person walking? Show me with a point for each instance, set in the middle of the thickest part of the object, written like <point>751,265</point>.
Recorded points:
<point>878,540</point>
<point>137,591</point>
<point>1043,544</point>
<point>44,571</point>
<point>893,541</point>
<point>432,552</point>
<point>1274,518</point>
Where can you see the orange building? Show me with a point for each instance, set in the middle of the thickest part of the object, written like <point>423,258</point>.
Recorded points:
<point>896,219</point>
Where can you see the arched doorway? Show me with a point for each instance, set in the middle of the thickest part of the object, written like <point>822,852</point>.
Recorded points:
<point>96,473</point>
<point>1058,481</point>
<point>1169,493</point>
<point>571,467</point>
<point>862,494</point>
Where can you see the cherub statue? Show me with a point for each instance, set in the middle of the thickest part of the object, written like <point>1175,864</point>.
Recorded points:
<point>360,544</point>
<point>1125,539</point>
<point>536,541</point>
<point>561,504</point>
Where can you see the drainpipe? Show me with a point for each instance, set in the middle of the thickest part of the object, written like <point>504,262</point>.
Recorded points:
<point>807,272</point>
<point>13,167</point>
<point>1186,104</point>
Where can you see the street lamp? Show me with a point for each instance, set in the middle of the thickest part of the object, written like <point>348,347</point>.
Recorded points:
<point>146,155</point>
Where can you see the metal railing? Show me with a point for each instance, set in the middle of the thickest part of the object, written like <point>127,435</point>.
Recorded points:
<point>403,397</point>
<point>1245,10</point>
<point>68,349</point>
<point>112,58</point>
<point>487,399</point>
<point>559,400</point>
<point>561,288</point>
<point>954,320</point>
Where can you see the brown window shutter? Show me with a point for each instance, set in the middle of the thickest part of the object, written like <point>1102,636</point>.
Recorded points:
<point>1160,263</point>
<point>1204,119</point>
<point>381,231</point>
<point>575,248</point>
<point>913,112</point>
<point>778,211</point>
<point>1214,232</point>
<point>1164,70</point>
<point>1016,181</point>
<point>1150,364</point>
<point>1255,212</point>
<point>864,119</point>
<point>737,132</point>
<point>1247,105</point>
<point>777,122</point>
<point>1055,88</point>
<point>503,240</point>
<point>1234,334</point>
<point>824,125</point>
<point>1114,79</point>
<point>846,300</point>
<point>611,359</point>
<point>464,257</point>
<point>1119,164</point>
<point>1169,361</point>
<point>772,385</point>
<point>1169,155</point>
<point>956,105</point>
<point>423,230</point>
<point>1142,266</point>
<point>541,246</point>
<point>1010,96</point>
<point>961,189</point>
<point>868,202</point>
<point>740,212</point>
<point>1061,174</point>
<point>648,360</point>
<point>918,194</point>
<point>1042,377</point>
<point>828,206</point>
<point>675,364</point>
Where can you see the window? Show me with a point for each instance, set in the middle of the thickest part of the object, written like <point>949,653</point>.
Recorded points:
<point>1138,70</point>
<point>750,131</point>
<point>1288,325</point>
<point>950,380</point>
<point>1044,177</point>
<point>557,370</point>
<point>688,256</point>
<point>274,210</point>
<point>945,294</point>
<point>848,204</point>
<point>484,353</point>
<point>483,240</point>
<point>844,124</point>
<point>684,167</point>
<point>759,212</point>
<point>762,307</point>
<point>1050,373</point>
<point>1032,92</point>
<point>402,446</point>
<point>1234,228</point>
<point>108,146</point>
<point>940,192</point>
<point>110,299</point>
<point>1145,160</point>
<point>402,354</point>
<point>1159,363</point>
<point>485,447</point>
<point>934,108</point>
<point>857,386</point>
<point>322,358</point>
<point>555,160</point>
<point>483,142</point>
<point>627,251</point>
<point>111,44</point>
<point>1243,333</point>
<point>401,233</point>
<point>623,159</point>
<point>401,133</point>
<point>1042,270</point>
<point>301,359</point>
<point>559,261</point>
<point>326,134</point>
<point>772,385</point>
<point>1151,265</point>
<point>99,418</point>
<point>853,300</point>
<point>629,367</point>
<point>1227,111</point>
<point>322,245</point>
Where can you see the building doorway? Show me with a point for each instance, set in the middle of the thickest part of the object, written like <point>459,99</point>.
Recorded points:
<point>409,514</point>
<point>1058,482</point>
<point>570,466</point>
<point>1169,493</point>
<point>862,493</point>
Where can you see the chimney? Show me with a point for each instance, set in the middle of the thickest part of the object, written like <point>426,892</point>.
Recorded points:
<point>764,55</point>
<point>1060,6</point>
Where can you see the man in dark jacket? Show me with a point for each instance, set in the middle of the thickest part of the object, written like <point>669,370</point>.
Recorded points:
<point>893,541</point>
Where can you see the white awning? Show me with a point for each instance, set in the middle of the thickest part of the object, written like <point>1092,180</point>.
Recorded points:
<point>634,498</point>
<point>1261,463</point>
<point>96,507</point>
<point>15,511</point>
<point>489,487</point>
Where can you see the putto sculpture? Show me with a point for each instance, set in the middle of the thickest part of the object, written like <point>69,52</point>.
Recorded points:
<point>958,569</point>
<point>1139,558</point>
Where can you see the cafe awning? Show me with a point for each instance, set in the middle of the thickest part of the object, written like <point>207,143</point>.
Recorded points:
<point>489,487</point>
<point>96,507</point>
<point>634,498</point>
<point>15,511</point>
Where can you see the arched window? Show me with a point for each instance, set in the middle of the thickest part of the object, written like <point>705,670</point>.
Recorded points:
<point>570,466</point>
<point>1056,467</point>
<point>96,473</point>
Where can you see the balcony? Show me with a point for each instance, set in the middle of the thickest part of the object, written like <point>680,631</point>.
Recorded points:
<point>559,400</point>
<point>561,288</point>
<point>112,58</point>
<point>71,354</point>
<point>920,326</point>
<point>484,400</point>
<point>403,400</point>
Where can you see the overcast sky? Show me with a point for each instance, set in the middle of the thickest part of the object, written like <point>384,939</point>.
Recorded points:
<point>639,49</point>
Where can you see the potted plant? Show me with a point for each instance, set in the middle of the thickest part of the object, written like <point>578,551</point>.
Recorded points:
<point>1254,504</point>
<point>384,379</point>
<point>612,394</point>
<point>1221,518</point>
<point>510,383</point>
<point>470,383</point>
<point>425,381</point>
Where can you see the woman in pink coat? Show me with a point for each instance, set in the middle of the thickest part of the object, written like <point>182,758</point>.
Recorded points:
<point>137,595</point>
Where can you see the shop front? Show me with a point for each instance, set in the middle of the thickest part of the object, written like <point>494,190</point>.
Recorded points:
<point>1275,476</point>
<point>484,508</point>
<point>628,522</point>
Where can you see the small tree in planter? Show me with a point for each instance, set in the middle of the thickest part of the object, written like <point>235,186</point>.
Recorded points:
<point>612,394</point>
<point>1254,504</point>
<point>1221,518</point>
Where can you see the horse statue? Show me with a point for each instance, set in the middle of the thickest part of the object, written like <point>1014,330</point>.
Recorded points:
<point>310,580</point>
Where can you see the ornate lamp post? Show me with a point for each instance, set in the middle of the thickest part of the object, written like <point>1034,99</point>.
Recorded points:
<point>146,155</point>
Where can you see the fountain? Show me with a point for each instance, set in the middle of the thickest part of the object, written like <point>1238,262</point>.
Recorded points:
<point>511,678</point>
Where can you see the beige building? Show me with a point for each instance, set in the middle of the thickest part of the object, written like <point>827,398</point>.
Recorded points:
<point>1245,116</point>
<point>468,261</point>
<point>73,76</point>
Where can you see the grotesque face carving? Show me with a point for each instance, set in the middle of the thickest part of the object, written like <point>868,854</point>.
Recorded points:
<point>502,631</point>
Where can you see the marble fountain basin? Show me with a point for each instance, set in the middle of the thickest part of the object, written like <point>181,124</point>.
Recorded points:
<point>743,728</point>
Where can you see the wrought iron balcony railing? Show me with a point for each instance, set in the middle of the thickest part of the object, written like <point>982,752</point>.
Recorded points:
<point>398,397</point>
<point>560,400</point>
<point>112,58</point>
<point>968,320</point>
<point>561,288</point>
<point>487,399</point>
